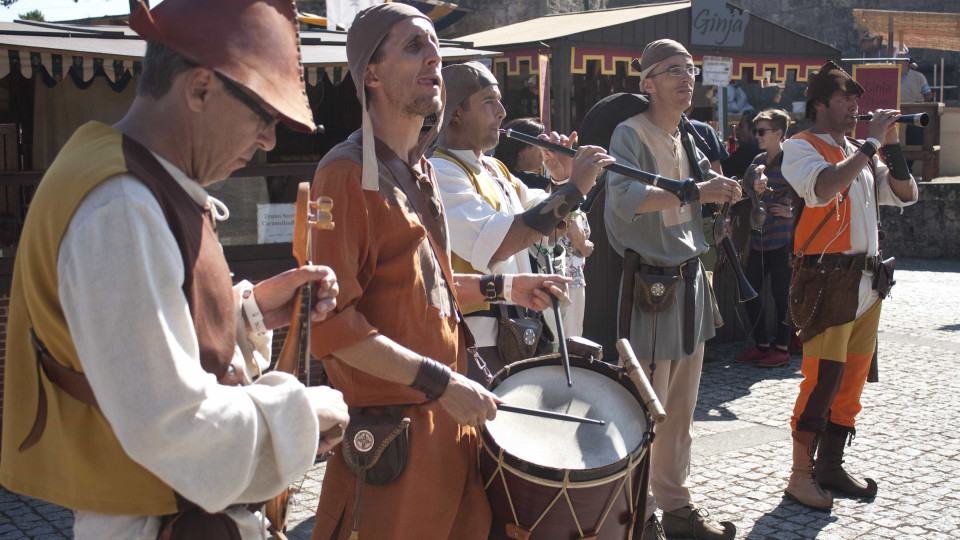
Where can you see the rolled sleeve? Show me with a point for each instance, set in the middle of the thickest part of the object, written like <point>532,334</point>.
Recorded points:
<point>476,228</point>
<point>625,194</point>
<point>350,250</point>
<point>802,165</point>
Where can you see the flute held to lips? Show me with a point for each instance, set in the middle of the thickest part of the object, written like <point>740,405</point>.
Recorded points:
<point>919,119</point>
<point>685,190</point>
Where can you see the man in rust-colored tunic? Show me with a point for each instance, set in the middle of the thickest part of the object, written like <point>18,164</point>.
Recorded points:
<point>396,314</point>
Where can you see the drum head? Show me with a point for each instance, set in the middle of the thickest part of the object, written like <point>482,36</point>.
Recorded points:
<point>559,444</point>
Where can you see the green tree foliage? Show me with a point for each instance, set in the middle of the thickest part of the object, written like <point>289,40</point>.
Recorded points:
<point>34,15</point>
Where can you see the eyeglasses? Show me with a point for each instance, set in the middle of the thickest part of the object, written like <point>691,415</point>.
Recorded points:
<point>760,132</point>
<point>251,103</point>
<point>679,71</point>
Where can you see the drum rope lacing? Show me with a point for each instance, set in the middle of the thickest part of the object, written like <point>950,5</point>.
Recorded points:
<point>565,485</point>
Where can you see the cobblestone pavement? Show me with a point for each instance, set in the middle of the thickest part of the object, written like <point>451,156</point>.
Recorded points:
<point>908,436</point>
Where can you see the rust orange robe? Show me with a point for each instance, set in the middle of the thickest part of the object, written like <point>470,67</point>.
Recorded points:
<point>390,283</point>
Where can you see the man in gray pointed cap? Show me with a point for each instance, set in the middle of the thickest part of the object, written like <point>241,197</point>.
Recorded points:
<point>493,216</point>
<point>396,337</point>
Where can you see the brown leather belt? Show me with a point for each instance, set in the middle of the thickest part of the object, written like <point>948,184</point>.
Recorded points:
<point>839,260</point>
<point>73,383</point>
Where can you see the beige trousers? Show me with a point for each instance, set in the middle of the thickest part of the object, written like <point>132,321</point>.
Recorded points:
<point>572,313</point>
<point>676,383</point>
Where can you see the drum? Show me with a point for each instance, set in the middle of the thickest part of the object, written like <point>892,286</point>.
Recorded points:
<point>558,480</point>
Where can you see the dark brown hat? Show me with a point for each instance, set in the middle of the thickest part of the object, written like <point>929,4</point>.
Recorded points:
<point>254,43</point>
<point>827,80</point>
<point>462,81</point>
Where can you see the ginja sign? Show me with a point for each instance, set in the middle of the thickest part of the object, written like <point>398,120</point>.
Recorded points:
<point>881,85</point>
<point>715,24</point>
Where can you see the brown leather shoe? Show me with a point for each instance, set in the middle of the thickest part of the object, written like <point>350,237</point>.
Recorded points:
<point>802,487</point>
<point>653,530</point>
<point>689,522</point>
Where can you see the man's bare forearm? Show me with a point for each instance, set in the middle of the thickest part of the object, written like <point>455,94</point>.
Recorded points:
<point>836,178</point>
<point>658,199</point>
<point>383,357</point>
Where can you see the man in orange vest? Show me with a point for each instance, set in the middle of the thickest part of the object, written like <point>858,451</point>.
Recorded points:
<point>834,298</point>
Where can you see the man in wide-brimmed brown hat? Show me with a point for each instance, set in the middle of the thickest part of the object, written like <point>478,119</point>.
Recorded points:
<point>130,350</point>
<point>842,182</point>
<point>396,338</point>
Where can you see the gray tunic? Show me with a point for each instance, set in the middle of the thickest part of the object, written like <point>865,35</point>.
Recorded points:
<point>662,238</point>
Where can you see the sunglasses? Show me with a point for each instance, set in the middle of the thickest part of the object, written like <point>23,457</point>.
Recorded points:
<point>247,100</point>
<point>760,132</point>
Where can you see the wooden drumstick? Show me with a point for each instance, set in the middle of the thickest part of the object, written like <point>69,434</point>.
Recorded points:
<point>629,361</point>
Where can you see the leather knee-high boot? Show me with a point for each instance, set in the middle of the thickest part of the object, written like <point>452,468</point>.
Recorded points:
<point>802,487</point>
<point>829,465</point>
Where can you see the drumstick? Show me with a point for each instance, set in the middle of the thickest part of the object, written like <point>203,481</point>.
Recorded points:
<point>629,361</point>
<point>561,339</point>
<point>548,414</point>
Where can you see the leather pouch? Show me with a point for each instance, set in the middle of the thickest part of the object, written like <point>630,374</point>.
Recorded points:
<point>653,293</point>
<point>517,337</point>
<point>883,277</point>
<point>376,444</point>
<point>821,297</point>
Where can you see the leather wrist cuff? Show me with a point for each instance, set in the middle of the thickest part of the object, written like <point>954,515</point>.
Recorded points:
<point>896,162</point>
<point>491,287</point>
<point>868,149</point>
<point>432,378</point>
<point>545,216</point>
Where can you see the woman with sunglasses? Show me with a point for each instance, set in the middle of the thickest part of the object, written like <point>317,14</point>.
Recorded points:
<point>769,245</point>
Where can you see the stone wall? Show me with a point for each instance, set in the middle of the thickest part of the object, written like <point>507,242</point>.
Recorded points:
<point>930,229</point>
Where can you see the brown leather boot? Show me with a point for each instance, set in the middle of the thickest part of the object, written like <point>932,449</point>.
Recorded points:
<point>802,487</point>
<point>829,466</point>
<point>689,522</point>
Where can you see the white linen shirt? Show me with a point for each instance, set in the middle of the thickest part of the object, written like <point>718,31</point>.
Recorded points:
<point>120,282</point>
<point>802,165</point>
<point>476,229</point>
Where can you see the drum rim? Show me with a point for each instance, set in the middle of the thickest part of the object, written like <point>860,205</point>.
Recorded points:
<point>554,474</point>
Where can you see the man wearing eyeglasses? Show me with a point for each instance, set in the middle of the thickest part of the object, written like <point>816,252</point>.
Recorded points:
<point>128,392</point>
<point>650,226</point>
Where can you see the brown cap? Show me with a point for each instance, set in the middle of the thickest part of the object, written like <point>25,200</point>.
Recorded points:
<point>462,81</point>
<point>658,51</point>
<point>827,80</point>
<point>369,29</point>
<point>254,43</point>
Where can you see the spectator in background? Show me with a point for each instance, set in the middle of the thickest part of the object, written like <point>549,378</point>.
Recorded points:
<point>713,148</point>
<point>737,100</point>
<point>769,246</point>
<point>530,98</point>
<point>913,89</point>
<point>526,162</point>
<point>747,149</point>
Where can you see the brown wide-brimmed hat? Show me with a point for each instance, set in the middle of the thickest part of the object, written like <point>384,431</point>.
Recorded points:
<point>254,43</point>
<point>827,80</point>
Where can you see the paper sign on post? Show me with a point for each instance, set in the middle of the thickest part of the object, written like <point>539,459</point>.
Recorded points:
<point>275,223</point>
<point>717,71</point>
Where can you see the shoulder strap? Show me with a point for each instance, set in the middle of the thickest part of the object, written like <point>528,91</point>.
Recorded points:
<point>822,223</point>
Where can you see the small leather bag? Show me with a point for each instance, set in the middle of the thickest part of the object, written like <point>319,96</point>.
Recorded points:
<point>376,444</point>
<point>883,277</point>
<point>517,337</point>
<point>652,293</point>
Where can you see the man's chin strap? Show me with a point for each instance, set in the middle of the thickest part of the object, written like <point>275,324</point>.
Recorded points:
<point>545,216</point>
<point>893,155</point>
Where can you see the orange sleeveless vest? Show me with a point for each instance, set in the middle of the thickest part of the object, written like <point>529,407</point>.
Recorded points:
<point>834,237</point>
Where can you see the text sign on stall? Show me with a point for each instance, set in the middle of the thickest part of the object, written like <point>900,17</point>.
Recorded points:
<point>275,223</point>
<point>881,85</point>
<point>717,71</point>
<point>715,24</point>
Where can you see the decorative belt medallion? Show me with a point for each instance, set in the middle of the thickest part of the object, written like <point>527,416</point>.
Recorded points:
<point>529,337</point>
<point>363,441</point>
<point>657,289</point>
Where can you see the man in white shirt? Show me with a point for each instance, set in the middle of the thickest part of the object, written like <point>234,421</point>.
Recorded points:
<point>493,217</point>
<point>836,241</point>
<point>131,352</point>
